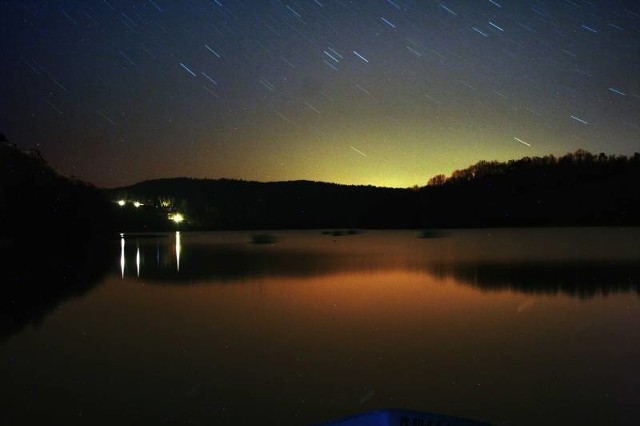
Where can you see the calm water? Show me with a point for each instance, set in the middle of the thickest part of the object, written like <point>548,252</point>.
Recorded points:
<point>514,327</point>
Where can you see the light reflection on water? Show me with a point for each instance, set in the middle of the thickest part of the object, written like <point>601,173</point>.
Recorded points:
<point>178,250</point>
<point>509,326</point>
<point>580,263</point>
<point>122,257</point>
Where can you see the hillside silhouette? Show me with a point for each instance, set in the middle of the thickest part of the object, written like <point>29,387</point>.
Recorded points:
<point>576,189</point>
<point>54,235</point>
<point>235,204</point>
<point>37,200</point>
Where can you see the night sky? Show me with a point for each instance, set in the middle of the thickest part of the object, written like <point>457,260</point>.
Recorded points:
<point>381,92</point>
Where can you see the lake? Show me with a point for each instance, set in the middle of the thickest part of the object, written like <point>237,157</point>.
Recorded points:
<point>508,326</point>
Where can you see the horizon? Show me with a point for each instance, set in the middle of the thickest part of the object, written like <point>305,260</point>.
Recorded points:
<point>387,93</point>
<point>447,175</point>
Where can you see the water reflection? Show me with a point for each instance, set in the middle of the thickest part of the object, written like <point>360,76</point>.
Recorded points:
<point>38,274</point>
<point>324,326</point>
<point>576,278</point>
<point>213,258</point>
<point>138,261</point>
<point>122,258</point>
<point>178,250</point>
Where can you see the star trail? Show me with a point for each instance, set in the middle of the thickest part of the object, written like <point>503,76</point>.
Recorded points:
<point>384,92</point>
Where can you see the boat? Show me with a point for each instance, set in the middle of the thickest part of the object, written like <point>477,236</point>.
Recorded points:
<point>402,418</point>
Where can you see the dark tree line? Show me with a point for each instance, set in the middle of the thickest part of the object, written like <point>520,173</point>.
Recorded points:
<point>237,204</point>
<point>37,200</point>
<point>576,189</point>
<point>53,233</point>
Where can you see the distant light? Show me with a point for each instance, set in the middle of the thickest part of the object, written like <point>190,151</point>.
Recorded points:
<point>137,204</point>
<point>121,203</point>
<point>176,217</point>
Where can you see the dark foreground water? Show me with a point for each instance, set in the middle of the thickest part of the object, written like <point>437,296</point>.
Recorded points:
<point>514,327</point>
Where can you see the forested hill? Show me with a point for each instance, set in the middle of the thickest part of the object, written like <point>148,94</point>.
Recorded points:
<point>576,189</point>
<point>236,204</point>
<point>54,234</point>
<point>37,200</point>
